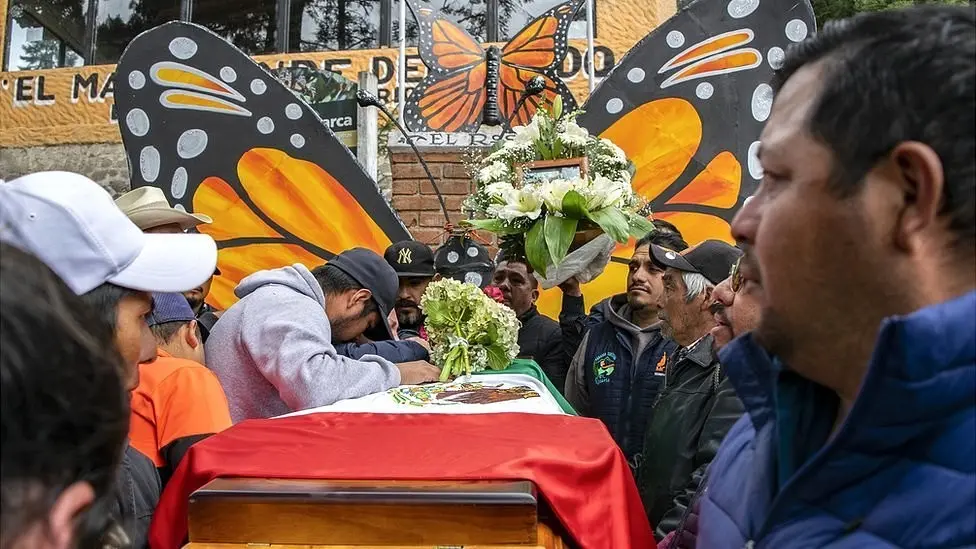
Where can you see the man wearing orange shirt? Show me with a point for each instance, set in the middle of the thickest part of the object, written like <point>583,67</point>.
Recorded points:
<point>178,401</point>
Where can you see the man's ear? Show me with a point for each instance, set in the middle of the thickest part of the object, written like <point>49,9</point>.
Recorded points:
<point>706,298</point>
<point>361,295</point>
<point>65,512</point>
<point>535,294</point>
<point>922,179</point>
<point>190,337</point>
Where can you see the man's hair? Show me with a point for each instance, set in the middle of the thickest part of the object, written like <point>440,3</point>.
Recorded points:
<point>334,281</point>
<point>502,257</point>
<point>665,235</point>
<point>895,76</point>
<point>104,301</point>
<point>695,285</point>
<point>166,331</point>
<point>64,410</point>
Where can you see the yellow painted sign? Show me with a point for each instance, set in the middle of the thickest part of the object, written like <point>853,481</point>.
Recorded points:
<point>76,105</point>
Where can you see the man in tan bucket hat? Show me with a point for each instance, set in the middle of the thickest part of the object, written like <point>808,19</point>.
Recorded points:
<point>148,209</point>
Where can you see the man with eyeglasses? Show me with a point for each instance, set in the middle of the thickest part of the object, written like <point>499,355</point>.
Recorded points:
<point>697,406</point>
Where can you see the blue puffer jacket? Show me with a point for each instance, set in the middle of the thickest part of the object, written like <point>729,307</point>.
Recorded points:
<point>901,470</point>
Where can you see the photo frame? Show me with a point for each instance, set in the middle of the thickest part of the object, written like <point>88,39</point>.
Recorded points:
<point>545,170</point>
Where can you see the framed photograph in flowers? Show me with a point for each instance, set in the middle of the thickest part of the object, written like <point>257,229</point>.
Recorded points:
<point>542,171</point>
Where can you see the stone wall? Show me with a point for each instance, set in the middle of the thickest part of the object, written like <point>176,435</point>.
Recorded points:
<point>104,163</point>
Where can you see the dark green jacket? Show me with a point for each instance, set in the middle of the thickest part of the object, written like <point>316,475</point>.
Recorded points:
<point>694,412</point>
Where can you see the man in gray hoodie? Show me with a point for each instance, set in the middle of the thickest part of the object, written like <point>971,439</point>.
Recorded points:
<point>274,352</point>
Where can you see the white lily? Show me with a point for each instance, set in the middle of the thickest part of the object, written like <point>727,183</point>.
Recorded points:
<point>554,191</point>
<point>524,202</point>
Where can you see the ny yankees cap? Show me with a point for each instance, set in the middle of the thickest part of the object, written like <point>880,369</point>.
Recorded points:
<point>410,258</point>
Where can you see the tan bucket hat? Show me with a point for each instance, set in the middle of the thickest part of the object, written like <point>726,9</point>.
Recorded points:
<point>147,208</point>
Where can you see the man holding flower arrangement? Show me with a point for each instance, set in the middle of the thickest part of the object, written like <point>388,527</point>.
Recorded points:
<point>618,368</point>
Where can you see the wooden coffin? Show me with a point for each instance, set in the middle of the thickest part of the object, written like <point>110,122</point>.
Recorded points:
<point>408,514</point>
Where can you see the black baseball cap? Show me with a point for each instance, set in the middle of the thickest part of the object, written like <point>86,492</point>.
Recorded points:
<point>374,274</point>
<point>410,258</point>
<point>713,259</point>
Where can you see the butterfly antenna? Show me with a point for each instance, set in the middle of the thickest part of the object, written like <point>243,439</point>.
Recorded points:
<point>366,99</point>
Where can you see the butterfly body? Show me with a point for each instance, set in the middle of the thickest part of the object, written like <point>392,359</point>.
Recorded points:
<point>467,85</point>
<point>493,57</point>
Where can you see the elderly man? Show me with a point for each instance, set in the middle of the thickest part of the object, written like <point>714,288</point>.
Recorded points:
<point>859,380</point>
<point>736,312</point>
<point>697,407</point>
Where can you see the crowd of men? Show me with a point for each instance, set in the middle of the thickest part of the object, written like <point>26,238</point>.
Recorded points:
<point>813,386</point>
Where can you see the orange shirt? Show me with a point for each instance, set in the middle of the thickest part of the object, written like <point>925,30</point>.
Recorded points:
<point>175,399</point>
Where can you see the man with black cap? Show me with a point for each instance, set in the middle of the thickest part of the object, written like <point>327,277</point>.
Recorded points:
<point>414,265</point>
<point>697,406</point>
<point>274,349</point>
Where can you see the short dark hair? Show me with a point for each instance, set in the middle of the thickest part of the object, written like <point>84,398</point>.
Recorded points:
<point>64,410</point>
<point>894,76</point>
<point>165,331</point>
<point>104,301</point>
<point>665,235</point>
<point>521,260</point>
<point>334,280</point>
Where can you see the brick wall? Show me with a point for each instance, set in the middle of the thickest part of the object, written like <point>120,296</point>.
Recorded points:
<point>414,198</point>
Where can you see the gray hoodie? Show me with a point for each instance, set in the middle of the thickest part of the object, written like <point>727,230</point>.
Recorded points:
<point>273,352</point>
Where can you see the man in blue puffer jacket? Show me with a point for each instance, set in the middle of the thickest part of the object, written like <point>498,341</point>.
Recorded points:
<point>860,381</point>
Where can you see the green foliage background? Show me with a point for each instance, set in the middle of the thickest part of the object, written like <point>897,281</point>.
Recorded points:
<point>827,10</point>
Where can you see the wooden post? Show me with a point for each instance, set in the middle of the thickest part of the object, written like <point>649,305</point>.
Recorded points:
<point>367,130</point>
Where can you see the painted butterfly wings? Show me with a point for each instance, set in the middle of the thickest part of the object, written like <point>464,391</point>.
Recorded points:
<point>465,82</point>
<point>687,104</point>
<point>221,136</point>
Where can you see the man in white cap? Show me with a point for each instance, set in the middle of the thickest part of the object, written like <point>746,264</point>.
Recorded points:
<point>148,208</point>
<point>71,224</point>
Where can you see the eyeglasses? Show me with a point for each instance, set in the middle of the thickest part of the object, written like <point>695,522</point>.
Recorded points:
<point>736,276</point>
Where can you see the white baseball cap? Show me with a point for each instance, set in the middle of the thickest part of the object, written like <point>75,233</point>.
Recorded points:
<point>70,223</point>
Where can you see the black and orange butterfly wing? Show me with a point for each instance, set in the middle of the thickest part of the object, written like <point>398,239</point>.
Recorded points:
<point>221,136</point>
<point>537,50</point>
<point>451,98</point>
<point>691,98</point>
<point>687,105</point>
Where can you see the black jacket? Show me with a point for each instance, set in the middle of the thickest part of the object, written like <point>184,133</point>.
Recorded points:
<point>617,372</point>
<point>694,412</point>
<point>394,351</point>
<point>137,493</point>
<point>540,339</point>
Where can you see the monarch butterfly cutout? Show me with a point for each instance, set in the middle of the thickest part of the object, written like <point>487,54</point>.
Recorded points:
<point>467,85</point>
<point>687,105</point>
<point>221,136</point>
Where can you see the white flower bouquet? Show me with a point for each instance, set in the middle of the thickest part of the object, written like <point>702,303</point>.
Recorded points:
<point>468,331</point>
<point>541,217</point>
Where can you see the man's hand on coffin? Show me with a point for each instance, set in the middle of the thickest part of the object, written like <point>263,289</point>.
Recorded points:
<point>418,371</point>
<point>423,342</point>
